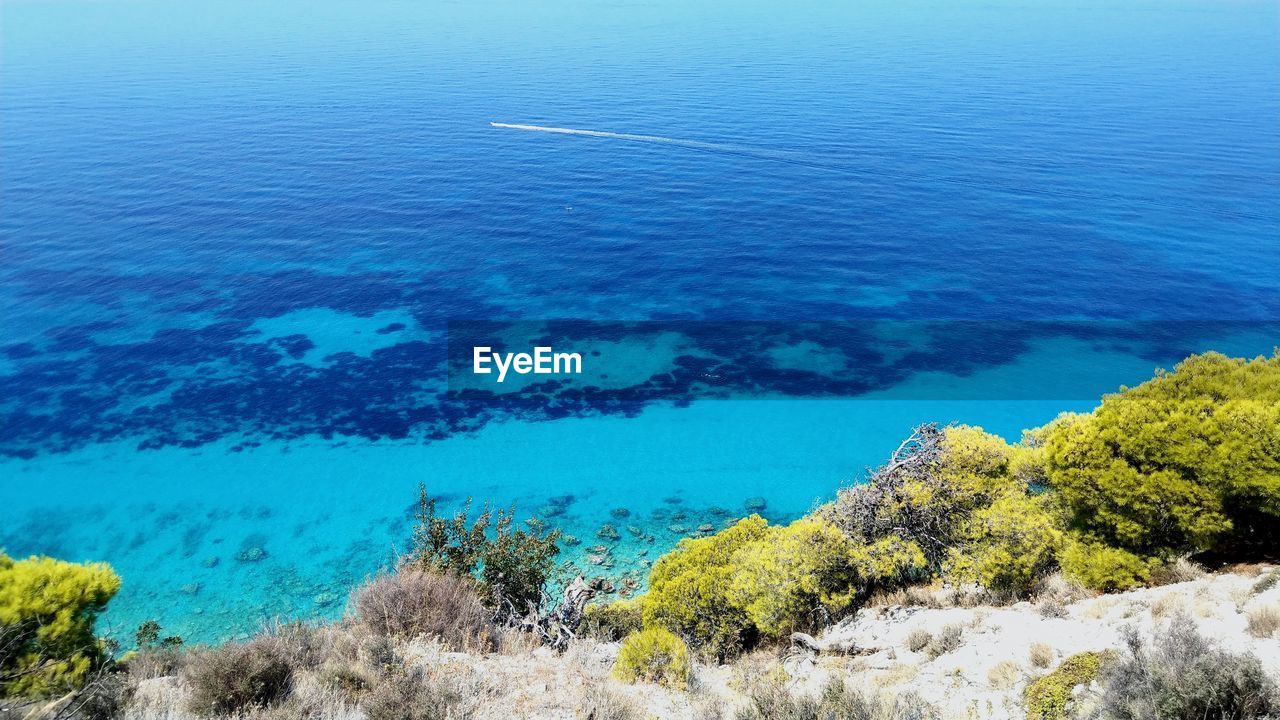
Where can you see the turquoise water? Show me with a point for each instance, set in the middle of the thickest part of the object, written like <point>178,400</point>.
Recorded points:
<point>328,514</point>
<point>240,239</point>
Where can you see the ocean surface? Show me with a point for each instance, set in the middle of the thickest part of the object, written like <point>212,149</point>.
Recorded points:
<point>238,240</point>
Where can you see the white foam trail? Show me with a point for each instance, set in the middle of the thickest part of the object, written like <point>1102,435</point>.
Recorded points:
<point>720,148</point>
<point>615,136</point>
<point>805,160</point>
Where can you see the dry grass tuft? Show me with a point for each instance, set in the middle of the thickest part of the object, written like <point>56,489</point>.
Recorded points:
<point>757,668</point>
<point>234,678</point>
<point>937,597</point>
<point>1057,588</point>
<point>1041,655</point>
<point>1246,569</point>
<point>834,700</point>
<point>1004,675</point>
<point>897,675</point>
<point>950,638</point>
<point>1266,582</point>
<point>1179,571</point>
<point>605,702</point>
<point>417,603</point>
<point>1099,608</point>
<point>1167,605</point>
<point>417,695</point>
<point>1263,622</point>
<point>918,639</point>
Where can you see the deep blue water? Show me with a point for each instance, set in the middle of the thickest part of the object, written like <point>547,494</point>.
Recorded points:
<point>233,236</point>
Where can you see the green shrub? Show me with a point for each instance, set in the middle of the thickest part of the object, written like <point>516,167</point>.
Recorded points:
<point>1098,566</point>
<point>511,563</point>
<point>1048,697</point>
<point>611,622</point>
<point>930,488</point>
<point>1184,676</point>
<point>688,590</point>
<point>47,613</point>
<point>155,657</point>
<point>654,655</point>
<point>1008,545</point>
<point>724,592</point>
<point>148,637</point>
<point>1186,462</point>
<point>959,499</point>
<point>236,677</point>
<point>795,577</point>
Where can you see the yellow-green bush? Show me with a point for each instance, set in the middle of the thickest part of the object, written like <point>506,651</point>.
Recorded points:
<point>1099,566</point>
<point>929,491</point>
<point>654,655</point>
<point>979,460</point>
<point>688,590</point>
<point>752,580</point>
<point>1047,698</point>
<point>958,501</point>
<point>613,621</point>
<point>889,561</point>
<point>47,612</point>
<point>785,579</point>
<point>1007,545</point>
<point>1185,462</point>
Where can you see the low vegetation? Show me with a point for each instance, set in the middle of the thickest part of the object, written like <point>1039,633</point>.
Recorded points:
<point>236,677</point>
<point>1184,465</point>
<point>654,655</point>
<point>1263,622</point>
<point>771,700</point>
<point>1040,655</point>
<point>425,603</point>
<point>511,564</point>
<point>1182,675</point>
<point>1050,697</point>
<point>949,639</point>
<point>918,640</point>
<point>414,694</point>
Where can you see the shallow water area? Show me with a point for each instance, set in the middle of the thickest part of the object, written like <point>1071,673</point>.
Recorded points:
<point>213,543</point>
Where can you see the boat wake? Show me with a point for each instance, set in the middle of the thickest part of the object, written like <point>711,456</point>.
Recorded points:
<point>879,174</point>
<point>782,156</point>
<point>615,136</point>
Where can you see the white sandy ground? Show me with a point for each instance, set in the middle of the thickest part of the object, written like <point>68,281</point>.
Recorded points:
<point>983,678</point>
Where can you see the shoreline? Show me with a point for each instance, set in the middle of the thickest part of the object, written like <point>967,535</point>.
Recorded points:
<point>328,514</point>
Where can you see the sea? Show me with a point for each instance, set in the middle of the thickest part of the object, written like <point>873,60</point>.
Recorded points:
<point>246,249</point>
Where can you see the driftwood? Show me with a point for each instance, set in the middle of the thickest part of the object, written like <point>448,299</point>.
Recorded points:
<point>827,647</point>
<point>560,626</point>
<point>881,506</point>
<point>52,709</point>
